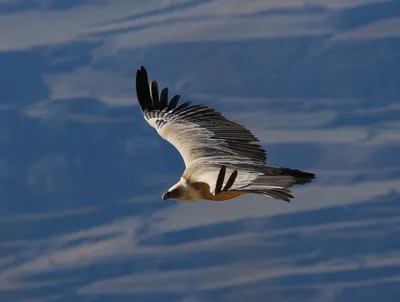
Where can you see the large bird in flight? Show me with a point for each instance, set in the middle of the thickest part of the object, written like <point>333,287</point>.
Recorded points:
<point>221,158</point>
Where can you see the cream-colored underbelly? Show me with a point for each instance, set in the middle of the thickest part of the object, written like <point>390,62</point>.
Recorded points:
<point>204,190</point>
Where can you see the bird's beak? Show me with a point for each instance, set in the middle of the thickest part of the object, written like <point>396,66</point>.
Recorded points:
<point>165,196</point>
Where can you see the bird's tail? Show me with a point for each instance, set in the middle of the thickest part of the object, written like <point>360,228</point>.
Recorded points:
<point>301,177</point>
<point>276,182</point>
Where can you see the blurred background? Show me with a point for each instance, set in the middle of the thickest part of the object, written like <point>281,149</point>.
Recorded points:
<point>81,172</point>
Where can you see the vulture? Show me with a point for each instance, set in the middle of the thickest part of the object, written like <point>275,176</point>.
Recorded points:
<point>222,158</point>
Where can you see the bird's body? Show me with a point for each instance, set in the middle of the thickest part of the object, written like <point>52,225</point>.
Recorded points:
<point>221,158</point>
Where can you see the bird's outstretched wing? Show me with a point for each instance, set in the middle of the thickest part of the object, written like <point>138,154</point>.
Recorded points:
<point>198,132</point>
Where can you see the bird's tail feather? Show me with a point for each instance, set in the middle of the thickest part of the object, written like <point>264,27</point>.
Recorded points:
<point>277,193</point>
<point>276,183</point>
<point>301,177</point>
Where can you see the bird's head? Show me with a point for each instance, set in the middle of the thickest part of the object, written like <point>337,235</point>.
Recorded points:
<point>182,191</point>
<point>174,193</point>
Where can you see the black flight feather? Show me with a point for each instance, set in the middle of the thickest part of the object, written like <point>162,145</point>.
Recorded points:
<point>164,98</point>
<point>174,102</point>
<point>143,90</point>
<point>230,181</point>
<point>154,94</point>
<point>220,180</point>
